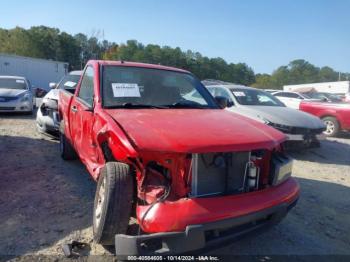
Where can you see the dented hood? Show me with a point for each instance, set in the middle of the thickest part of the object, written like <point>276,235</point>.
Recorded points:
<point>194,130</point>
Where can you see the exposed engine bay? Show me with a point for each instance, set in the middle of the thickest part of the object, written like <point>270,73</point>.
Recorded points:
<point>207,175</point>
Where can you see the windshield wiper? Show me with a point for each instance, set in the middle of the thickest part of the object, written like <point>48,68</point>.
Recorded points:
<point>186,105</point>
<point>132,105</point>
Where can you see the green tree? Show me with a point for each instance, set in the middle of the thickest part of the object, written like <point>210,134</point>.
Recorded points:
<point>262,81</point>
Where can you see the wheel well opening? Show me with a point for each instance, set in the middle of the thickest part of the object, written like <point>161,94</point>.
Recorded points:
<point>107,152</point>
<point>332,116</point>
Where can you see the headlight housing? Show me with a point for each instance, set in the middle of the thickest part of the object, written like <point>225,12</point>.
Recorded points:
<point>281,168</point>
<point>282,128</point>
<point>25,97</point>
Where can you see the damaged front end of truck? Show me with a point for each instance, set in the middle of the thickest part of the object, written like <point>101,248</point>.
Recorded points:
<point>191,200</point>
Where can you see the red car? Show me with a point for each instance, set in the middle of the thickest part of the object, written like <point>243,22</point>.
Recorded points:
<point>336,116</point>
<point>186,173</point>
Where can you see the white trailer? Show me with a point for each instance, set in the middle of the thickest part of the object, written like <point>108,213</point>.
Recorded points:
<point>339,87</point>
<point>39,72</point>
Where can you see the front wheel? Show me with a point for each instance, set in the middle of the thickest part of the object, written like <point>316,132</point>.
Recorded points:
<point>332,126</point>
<point>113,202</point>
<point>67,152</point>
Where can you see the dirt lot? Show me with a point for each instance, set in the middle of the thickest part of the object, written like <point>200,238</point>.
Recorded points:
<point>45,201</point>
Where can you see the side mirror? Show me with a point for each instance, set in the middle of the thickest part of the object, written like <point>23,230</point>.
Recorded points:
<point>230,103</point>
<point>52,85</point>
<point>222,101</point>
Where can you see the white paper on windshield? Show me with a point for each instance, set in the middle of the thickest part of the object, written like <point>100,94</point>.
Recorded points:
<point>70,84</point>
<point>20,81</point>
<point>239,93</point>
<point>125,90</point>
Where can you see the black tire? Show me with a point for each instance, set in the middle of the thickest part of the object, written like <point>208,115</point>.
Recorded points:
<point>67,152</point>
<point>315,144</point>
<point>112,213</point>
<point>332,125</point>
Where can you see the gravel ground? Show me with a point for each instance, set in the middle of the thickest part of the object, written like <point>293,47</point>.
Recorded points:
<point>45,201</point>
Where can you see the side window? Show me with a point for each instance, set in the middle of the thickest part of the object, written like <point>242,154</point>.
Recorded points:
<point>86,91</point>
<point>285,94</point>
<point>212,91</point>
<point>281,94</point>
<point>293,95</point>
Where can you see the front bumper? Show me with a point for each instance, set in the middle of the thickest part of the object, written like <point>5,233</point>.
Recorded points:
<point>197,237</point>
<point>243,215</point>
<point>47,123</point>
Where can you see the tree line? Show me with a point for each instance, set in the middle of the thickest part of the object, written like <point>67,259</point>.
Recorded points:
<point>50,43</point>
<point>298,72</point>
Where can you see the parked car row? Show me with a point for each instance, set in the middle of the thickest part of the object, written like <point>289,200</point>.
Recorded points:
<point>259,105</point>
<point>332,109</point>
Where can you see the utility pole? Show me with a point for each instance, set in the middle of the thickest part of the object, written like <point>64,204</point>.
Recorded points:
<point>339,77</point>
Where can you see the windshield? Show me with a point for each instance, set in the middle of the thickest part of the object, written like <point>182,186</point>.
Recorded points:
<point>13,83</point>
<point>255,97</point>
<point>69,82</point>
<point>136,87</point>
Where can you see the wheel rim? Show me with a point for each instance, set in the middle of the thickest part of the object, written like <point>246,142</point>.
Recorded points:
<point>100,202</point>
<point>330,127</point>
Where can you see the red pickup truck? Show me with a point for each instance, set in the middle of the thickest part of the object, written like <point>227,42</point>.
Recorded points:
<point>188,172</point>
<point>336,116</point>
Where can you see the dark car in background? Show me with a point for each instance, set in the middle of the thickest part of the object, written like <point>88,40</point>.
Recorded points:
<point>301,129</point>
<point>326,97</point>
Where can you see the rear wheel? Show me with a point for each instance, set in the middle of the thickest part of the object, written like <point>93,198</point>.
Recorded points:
<point>332,126</point>
<point>113,202</point>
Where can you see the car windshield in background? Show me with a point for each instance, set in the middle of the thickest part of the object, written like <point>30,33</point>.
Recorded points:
<point>137,87</point>
<point>69,82</point>
<point>12,83</point>
<point>330,97</point>
<point>255,97</point>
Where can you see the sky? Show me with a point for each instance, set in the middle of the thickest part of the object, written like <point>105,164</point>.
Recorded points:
<point>264,34</point>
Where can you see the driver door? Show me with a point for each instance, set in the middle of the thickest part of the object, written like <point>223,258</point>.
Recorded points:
<point>82,118</point>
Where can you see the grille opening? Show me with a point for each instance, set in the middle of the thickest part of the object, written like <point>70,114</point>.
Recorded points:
<point>6,108</point>
<point>212,235</point>
<point>151,244</point>
<point>219,173</point>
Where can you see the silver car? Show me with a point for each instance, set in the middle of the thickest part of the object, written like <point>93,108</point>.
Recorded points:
<point>264,107</point>
<point>15,94</point>
<point>47,118</point>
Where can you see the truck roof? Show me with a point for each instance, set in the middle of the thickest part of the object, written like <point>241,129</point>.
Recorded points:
<point>136,64</point>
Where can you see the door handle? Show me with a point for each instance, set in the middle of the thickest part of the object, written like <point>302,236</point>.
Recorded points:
<point>74,109</point>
